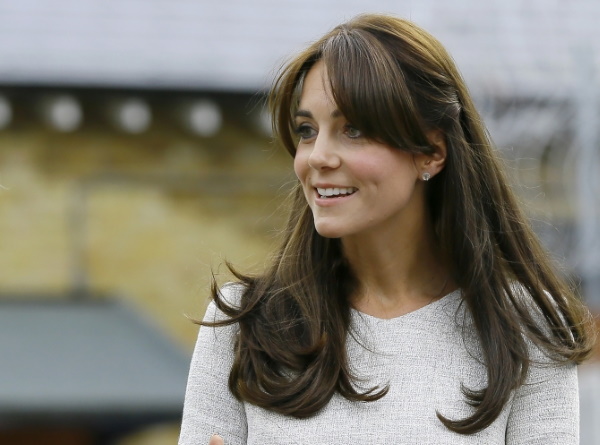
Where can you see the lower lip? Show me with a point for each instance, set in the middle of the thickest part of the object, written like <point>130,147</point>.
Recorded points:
<point>329,202</point>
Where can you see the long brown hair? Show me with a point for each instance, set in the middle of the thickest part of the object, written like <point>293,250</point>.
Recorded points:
<point>395,82</point>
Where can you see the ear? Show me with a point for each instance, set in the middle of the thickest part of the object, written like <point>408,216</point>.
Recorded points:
<point>435,162</point>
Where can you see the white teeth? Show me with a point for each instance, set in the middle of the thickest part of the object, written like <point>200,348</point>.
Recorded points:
<point>337,191</point>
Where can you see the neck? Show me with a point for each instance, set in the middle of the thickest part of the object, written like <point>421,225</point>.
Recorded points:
<point>397,273</point>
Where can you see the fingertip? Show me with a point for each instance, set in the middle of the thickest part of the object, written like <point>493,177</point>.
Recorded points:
<point>215,439</point>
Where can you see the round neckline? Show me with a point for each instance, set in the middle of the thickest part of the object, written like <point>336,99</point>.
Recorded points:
<point>410,314</point>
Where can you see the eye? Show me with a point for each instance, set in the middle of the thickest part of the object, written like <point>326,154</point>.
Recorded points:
<point>352,132</point>
<point>305,131</point>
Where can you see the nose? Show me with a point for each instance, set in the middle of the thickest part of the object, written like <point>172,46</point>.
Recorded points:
<point>324,154</point>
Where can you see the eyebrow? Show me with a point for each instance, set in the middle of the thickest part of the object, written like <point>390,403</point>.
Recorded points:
<point>305,113</point>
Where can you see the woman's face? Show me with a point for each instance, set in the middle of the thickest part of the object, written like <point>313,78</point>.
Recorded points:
<point>353,185</point>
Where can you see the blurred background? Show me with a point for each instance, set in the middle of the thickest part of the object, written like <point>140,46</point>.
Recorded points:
<point>135,157</point>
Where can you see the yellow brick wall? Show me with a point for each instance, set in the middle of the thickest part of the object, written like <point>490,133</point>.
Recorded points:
<point>158,211</point>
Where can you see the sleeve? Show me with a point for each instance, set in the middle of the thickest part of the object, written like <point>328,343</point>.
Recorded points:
<point>545,410</point>
<point>209,406</point>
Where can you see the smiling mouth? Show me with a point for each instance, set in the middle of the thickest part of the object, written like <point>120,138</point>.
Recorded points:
<point>338,192</point>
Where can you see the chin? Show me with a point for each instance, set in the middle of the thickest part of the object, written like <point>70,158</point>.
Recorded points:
<point>327,231</point>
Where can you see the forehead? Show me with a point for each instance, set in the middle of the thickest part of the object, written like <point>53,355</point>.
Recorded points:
<point>316,89</point>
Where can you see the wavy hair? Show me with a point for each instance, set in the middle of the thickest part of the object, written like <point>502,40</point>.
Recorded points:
<point>396,82</point>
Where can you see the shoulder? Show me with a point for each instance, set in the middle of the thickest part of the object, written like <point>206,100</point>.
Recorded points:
<point>230,294</point>
<point>216,326</point>
<point>540,311</point>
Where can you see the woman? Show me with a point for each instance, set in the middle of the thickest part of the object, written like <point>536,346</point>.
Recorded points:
<point>409,302</point>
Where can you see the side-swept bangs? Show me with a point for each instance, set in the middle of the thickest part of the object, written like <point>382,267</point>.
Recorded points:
<point>371,90</point>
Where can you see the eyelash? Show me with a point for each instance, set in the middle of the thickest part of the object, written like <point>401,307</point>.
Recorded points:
<point>302,129</point>
<point>350,127</point>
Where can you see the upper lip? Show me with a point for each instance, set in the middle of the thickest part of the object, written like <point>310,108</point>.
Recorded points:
<point>332,186</point>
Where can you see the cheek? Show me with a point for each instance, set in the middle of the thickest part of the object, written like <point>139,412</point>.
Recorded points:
<point>301,165</point>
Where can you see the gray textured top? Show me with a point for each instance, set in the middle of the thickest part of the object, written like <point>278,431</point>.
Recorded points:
<point>424,355</point>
